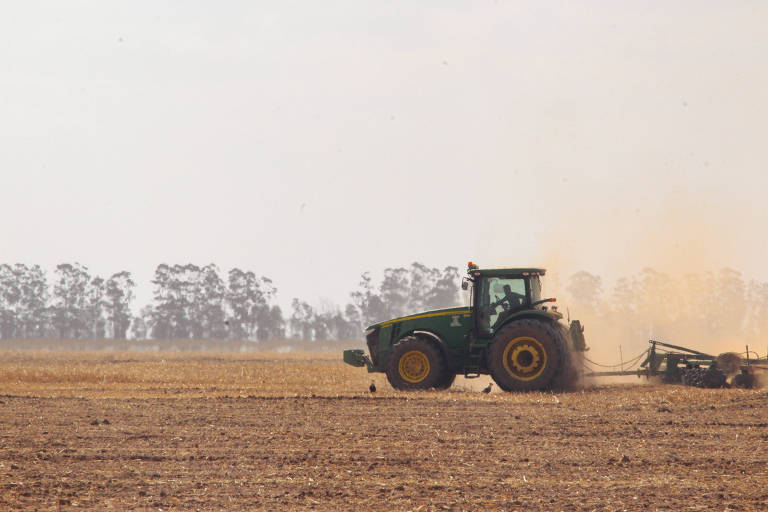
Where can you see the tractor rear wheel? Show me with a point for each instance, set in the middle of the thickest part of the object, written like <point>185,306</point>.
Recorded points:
<point>526,355</point>
<point>447,381</point>
<point>417,364</point>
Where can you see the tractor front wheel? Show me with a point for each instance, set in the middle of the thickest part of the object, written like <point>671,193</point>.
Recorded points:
<point>526,355</point>
<point>416,364</point>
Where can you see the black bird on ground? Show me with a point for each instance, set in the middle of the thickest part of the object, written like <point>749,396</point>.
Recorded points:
<point>488,389</point>
<point>372,388</point>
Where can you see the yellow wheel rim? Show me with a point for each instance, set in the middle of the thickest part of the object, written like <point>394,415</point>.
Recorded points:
<point>524,358</point>
<point>413,366</point>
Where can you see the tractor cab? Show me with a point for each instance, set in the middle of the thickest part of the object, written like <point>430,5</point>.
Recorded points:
<point>500,294</point>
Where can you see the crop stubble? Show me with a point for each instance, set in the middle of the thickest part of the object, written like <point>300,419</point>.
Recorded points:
<point>296,432</point>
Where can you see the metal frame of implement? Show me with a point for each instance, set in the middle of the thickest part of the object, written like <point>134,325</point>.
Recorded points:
<point>661,361</point>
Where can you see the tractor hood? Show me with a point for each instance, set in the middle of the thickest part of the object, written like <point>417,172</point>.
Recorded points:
<point>425,314</point>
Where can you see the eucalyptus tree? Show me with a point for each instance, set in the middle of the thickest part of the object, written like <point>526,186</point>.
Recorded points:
<point>69,300</point>
<point>118,298</point>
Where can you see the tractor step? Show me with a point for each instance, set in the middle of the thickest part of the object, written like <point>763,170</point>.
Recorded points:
<point>471,372</point>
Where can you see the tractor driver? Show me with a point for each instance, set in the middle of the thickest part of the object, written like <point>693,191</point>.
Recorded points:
<point>514,300</point>
<point>509,300</point>
<point>504,296</point>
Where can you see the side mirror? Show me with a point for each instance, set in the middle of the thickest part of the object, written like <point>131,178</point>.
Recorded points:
<point>464,283</point>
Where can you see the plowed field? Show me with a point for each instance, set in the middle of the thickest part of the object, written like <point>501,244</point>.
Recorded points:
<point>270,432</point>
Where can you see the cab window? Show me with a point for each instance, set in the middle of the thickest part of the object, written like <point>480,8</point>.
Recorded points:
<point>498,294</point>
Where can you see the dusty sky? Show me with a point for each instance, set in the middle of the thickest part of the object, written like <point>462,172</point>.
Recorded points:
<point>311,141</point>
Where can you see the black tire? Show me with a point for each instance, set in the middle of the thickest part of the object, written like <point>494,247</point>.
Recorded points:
<point>743,380</point>
<point>570,373</point>
<point>704,378</point>
<point>714,378</point>
<point>447,381</point>
<point>686,375</point>
<point>526,355</point>
<point>416,363</point>
<point>693,377</point>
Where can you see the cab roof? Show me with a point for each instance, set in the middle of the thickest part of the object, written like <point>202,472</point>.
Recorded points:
<point>506,271</point>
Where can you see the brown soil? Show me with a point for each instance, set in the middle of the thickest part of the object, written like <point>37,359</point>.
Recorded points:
<point>183,432</point>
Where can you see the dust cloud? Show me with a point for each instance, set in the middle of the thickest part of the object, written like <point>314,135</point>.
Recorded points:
<point>685,273</point>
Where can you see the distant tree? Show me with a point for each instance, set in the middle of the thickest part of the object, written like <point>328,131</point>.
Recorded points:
<point>372,307</point>
<point>189,302</point>
<point>10,301</point>
<point>168,311</point>
<point>395,291</point>
<point>188,279</point>
<point>585,289</point>
<point>251,314</point>
<point>445,291</point>
<point>243,293</point>
<point>354,322</point>
<point>422,280</point>
<point>7,324</point>
<point>343,328</point>
<point>271,325</point>
<point>330,324</point>
<point>622,297</point>
<point>141,325</point>
<point>34,301</point>
<point>93,315</point>
<point>322,326</point>
<point>302,320</point>
<point>210,303</point>
<point>730,313</point>
<point>69,300</point>
<point>118,298</point>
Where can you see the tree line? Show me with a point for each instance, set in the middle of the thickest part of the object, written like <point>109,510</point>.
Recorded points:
<point>703,310</point>
<point>74,305</point>
<point>194,302</point>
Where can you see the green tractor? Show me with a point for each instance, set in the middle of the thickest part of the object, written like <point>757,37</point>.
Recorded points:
<point>507,331</point>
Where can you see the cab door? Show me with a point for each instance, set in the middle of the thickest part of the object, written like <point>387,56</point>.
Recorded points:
<point>495,296</point>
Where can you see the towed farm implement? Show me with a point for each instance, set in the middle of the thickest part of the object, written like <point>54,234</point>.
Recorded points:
<point>680,365</point>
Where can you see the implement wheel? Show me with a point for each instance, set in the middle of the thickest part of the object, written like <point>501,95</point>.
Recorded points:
<point>526,355</point>
<point>744,380</point>
<point>417,364</point>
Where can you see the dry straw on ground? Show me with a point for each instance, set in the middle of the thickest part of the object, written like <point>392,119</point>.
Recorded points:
<point>302,432</point>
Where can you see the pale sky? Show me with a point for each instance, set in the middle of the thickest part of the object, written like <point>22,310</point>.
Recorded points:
<point>311,141</point>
